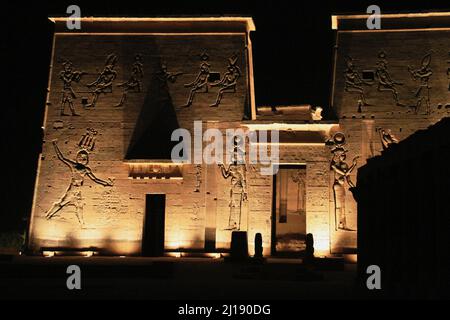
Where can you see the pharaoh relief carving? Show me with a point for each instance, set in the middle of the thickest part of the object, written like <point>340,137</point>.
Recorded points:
<point>104,81</point>
<point>228,82</point>
<point>237,172</point>
<point>134,83</point>
<point>422,74</point>
<point>73,195</point>
<point>200,84</point>
<point>386,137</point>
<point>67,76</point>
<point>354,83</point>
<point>342,178</point>
<point>385,80</point>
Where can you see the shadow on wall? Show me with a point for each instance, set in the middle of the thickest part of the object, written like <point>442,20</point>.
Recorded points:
<point>151,138</point>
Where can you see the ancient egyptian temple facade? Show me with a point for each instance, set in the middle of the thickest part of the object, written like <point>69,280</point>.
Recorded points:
<point>119,87</point>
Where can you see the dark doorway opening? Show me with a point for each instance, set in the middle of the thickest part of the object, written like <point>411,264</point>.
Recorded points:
<point>153,233</point>
<point>289,211</point>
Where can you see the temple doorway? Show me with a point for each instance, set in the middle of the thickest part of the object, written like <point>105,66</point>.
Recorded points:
<point>289,210</point>
<point>153,233</point>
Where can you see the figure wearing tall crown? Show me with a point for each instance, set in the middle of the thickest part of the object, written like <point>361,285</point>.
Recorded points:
<point>229,80</point>
<point>104,81</point>
<point>237,171</point>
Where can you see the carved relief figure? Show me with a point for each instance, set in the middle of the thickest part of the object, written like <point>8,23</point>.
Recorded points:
<point>386,137</point>
<point>87,140</point>
<point>385,81</point>
<point>353,81</point>
<point>238,189</point>
<point>229,80</point>
<point>68,94</point>
<point>200,84</point>
<point>134,82</point>
<point>165,76</point>
<point>423,74</point>
<point>342,173</point>
<point>299,178</point>
<point>79,170</point>
<point>195,212</point>
<point>103,83</point>
<point>198,177</point>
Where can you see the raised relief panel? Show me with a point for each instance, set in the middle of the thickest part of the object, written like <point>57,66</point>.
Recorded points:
<point>237,173</point>
<point>73,195</point>
<point>154,171</point>
<point>342,171</point>
<point>238,192</point>
<point>67,76</point>
<point>207,79</point>
<point>228,82</point>
<point>134,83</point>
<point>401,81</point>
<point>104,82</point>
<point>386,137</point>
<point>422,94</point>
<point>200,83</point>
<point>354,83</point>
<point>386,83</point>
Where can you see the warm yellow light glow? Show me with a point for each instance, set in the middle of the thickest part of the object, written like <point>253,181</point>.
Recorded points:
<point>321,246</point>
<point>351,258</point>
<point>48,254</point>
<point>334,22</point>
<point>174,254</point>
<point>88,254</point>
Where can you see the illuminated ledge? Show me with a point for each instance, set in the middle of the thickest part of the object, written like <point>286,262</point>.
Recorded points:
<point>281,113</point>
<point>315,127</point>
<point>394,22</point>
<point>63,251</point>
<point>113,25</point>
<point>183,254</point>
<point>157,169</point>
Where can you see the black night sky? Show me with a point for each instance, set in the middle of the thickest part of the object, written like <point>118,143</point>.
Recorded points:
<point>292,49</point>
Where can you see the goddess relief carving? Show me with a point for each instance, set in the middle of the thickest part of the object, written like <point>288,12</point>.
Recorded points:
<point>342,171</point>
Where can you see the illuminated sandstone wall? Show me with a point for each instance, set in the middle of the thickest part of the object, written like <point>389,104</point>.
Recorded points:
<point>402,52</point>
<point>113,215</point>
